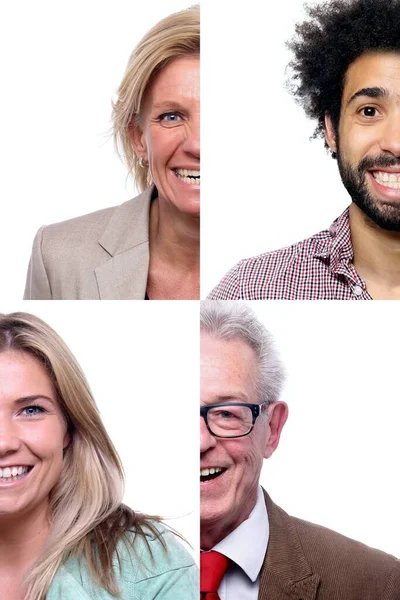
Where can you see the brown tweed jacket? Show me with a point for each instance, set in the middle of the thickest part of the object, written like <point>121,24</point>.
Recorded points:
<point>308,562</point>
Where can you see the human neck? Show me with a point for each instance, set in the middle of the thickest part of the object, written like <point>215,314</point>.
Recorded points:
<point>376,255</point>
<point>21,540</point>
<point>213,532</point>
<point>175,236</point>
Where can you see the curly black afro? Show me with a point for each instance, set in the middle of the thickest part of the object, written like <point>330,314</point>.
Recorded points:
<point>337,33</point>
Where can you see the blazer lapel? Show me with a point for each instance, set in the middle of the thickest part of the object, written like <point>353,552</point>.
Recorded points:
<point>126,240</point>
<point>286,573</point>
<point>124,276</point>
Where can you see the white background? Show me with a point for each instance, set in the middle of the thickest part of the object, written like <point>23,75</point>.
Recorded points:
<point>337,463</point>
<point>62,63</point>
<point>142,362</point>
<point>265,185</point>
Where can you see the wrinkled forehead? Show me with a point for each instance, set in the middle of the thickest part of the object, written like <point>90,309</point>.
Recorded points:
<point>178,81</point>
<point>228,370</point>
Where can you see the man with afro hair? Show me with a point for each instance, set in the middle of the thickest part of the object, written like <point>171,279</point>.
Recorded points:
<point>346,75</point>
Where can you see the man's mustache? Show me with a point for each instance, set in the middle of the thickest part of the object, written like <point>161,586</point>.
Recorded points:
<point>374,162</point>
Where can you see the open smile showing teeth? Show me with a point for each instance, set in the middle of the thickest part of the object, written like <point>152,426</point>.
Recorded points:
<point>211,473</point>
<point>188,176</point>
<point>8,474</point>
<point>390,180</point>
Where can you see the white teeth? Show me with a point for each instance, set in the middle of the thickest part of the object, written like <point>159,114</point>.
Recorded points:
<point>188,172</point>
<point>9,472</point>
<point>188,176</point>
<point>211,471</point>
<point>390,180</point>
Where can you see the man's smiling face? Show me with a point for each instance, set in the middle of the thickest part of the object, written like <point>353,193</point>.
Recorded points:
<point>368,138</point>
<point>228,374</point>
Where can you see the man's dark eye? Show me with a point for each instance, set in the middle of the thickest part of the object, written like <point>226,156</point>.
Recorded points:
<point>369,111</point>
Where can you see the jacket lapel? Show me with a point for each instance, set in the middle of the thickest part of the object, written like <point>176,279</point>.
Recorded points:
<point>126,239</point>
<point>286,573</point>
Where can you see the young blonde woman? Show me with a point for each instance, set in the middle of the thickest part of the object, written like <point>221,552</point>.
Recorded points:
<point>64,532</point>
<point>148,247</point>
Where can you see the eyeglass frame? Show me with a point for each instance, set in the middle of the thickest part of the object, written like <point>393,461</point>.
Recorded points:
<point>255,410</point>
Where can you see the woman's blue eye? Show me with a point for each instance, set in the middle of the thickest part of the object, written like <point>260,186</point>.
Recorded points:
<point>33,411</point>
<point>170,117</point>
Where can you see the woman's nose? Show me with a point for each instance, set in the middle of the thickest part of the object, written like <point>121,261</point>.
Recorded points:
<point>191,144</point>
<point>9,439</point>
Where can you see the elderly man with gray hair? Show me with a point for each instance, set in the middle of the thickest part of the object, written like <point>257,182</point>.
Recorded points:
<point>251,548</point>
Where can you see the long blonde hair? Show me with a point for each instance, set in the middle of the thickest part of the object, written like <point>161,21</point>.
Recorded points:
<point>175,36</point>
<point>87,517</point>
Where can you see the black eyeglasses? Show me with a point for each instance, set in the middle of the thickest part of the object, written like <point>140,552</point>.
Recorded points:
<point>231,419</point>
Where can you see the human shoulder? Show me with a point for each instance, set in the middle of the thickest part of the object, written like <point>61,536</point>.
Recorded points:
<point>156,565</point>
<point>266,275</point>
<point>334,543</point>
<point>88,228</point>
<point>336,557</point>
<point>146,566</point>
<point>152,553</point>
<point>339,566</point>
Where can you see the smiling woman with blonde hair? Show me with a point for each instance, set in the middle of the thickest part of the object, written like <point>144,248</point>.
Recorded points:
<point>64,531</point>
<point>148,247</point>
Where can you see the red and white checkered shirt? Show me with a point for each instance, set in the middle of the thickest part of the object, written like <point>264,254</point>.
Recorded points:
<point>318,268</point>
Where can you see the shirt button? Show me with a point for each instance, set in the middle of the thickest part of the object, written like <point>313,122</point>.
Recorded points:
<point>357,290</point>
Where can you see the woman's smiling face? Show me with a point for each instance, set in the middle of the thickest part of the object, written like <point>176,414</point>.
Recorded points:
<point>168,135</point>
<point>33,435</point>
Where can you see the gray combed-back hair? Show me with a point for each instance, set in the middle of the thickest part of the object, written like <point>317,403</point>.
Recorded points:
<point>226,320</point>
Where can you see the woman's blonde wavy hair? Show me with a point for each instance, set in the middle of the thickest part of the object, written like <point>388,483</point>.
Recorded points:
<point>87,517</point>
<point>175,36</point>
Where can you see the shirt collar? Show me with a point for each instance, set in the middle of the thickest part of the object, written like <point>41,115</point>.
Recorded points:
<point>339,250</point>
<point>247,544</point>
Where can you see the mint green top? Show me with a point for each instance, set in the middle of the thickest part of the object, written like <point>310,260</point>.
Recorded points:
<point>170,575</point>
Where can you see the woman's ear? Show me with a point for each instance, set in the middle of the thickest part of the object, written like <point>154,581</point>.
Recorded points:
<point>138,141</point>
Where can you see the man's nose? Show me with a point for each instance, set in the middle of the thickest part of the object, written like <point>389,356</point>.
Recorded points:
<point>390,141</point>
<point>207,440</point>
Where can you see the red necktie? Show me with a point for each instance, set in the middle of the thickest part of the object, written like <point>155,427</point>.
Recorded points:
<point>212,569</point>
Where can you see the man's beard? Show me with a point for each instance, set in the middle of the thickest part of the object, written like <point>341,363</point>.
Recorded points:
<point>384,214</point>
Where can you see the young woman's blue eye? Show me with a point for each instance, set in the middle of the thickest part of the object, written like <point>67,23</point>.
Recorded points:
<point>33,410</point>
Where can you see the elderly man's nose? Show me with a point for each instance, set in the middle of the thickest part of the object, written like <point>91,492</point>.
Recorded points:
<point>207,440</point>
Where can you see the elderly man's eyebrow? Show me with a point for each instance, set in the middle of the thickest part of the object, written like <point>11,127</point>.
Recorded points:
<point>370,92</point>
<point>233,397</point>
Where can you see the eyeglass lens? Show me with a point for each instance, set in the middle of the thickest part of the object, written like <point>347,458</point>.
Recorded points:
<point>230,421</point>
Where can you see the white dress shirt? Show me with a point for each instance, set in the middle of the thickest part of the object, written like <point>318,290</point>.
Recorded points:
<point>246,547</point>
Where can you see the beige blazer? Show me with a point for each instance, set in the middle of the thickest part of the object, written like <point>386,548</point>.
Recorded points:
<point>308,562</point>
<point>100,256</point>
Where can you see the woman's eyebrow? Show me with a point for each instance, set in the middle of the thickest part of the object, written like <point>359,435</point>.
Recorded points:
<point>167,104</point>
<point>33,398</point>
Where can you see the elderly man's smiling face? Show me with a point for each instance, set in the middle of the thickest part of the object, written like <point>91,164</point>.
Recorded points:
<point>368,140</point>
<point>228,374</point>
